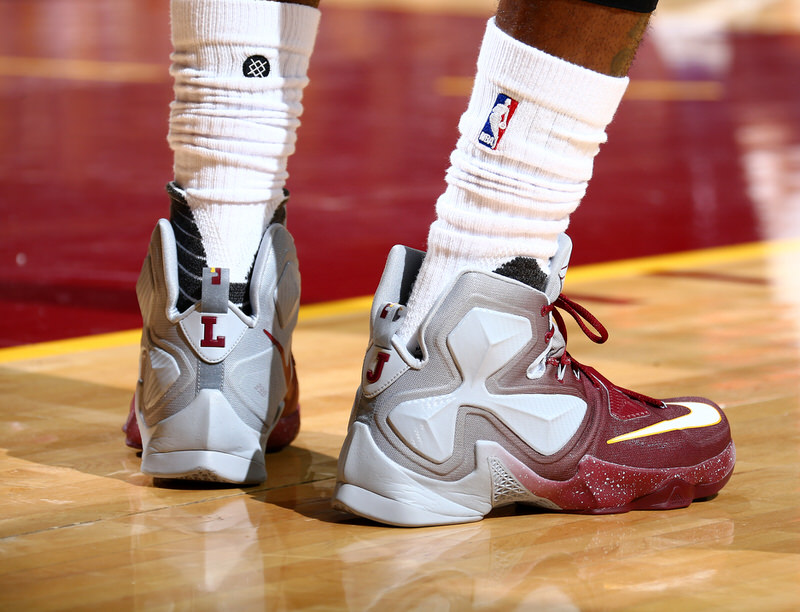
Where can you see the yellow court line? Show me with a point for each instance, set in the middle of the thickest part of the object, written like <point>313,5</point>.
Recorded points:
<point>83,70</point>
<point>316,312</point>
<point>70,345</point>
<point>638,89</point>
<point>310,312</point>
<point>140,72</point>
<point>684,260</point>
<point>324,310</point>
<point>645,89</point>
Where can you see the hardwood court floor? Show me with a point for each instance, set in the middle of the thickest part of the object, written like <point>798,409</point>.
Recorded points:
<point>82,528</point>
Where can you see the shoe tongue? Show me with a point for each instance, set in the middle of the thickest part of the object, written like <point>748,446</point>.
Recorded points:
<point>215,290</point>
<point>558,268</point>
<point>402,266</point>
<point>386,324</point>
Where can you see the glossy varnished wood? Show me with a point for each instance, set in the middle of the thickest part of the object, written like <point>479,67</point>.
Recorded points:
<point>82,528</point>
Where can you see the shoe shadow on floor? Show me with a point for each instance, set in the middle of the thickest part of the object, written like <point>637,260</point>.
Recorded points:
<point>301,479</point>
<point>55,429</point>
<point>66,423</point>
<point>70,424</point>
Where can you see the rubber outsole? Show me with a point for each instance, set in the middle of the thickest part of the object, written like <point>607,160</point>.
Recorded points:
<point>205,466</point>
<point>205,441</point>
<point>366,504</point>
<point>211,466</point>
<point>379,508</point>
<point>374,487</point>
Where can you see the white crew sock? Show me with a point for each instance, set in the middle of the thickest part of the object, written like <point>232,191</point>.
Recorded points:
<point>232,124</point>
<point>516,175</point>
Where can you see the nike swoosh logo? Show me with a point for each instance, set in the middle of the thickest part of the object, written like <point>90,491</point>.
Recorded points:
<point>700,415</point>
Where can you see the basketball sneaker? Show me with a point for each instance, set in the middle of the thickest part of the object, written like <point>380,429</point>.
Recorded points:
<point>217,384</point>
<point>487,408</point>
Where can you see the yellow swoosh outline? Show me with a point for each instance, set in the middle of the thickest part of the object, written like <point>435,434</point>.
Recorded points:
<point>700,415</point>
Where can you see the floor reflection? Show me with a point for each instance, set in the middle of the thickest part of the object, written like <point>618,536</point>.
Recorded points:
<point>207,554</point>
<point>568,564</point>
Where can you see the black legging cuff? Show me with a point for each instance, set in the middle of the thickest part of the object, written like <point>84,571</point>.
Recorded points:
<point>638,6</point>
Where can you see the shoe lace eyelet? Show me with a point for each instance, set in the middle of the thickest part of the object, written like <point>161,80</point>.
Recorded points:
<point>597,333</point>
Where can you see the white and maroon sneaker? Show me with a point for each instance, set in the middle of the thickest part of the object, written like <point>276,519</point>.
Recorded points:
<point>217,385</point>
<point>488,408</point>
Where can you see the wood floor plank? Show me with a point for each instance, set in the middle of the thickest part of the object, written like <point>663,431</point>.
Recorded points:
<point>82,528</point>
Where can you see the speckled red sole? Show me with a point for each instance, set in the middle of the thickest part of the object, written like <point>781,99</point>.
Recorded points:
<point>600,487</point>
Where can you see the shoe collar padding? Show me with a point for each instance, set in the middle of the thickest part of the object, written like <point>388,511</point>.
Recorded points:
<point>558,268</point>
<point>402,265</point>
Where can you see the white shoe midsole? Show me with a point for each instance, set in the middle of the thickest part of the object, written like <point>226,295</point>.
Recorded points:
<point>417,499</point>
<point>205,433</point>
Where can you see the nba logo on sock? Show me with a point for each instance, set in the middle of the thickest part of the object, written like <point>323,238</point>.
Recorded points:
<point>497,121</point>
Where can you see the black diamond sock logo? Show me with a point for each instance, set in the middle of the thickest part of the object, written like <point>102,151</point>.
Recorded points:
<point>256,66</point>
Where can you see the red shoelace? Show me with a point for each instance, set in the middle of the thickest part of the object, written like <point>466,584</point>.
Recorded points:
<point>597,333</point>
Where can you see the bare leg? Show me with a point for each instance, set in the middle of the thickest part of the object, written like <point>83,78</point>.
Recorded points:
<point>311,3</point>
<point>511,192</point>
<point>597,37</point>
<point>492,362</point>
